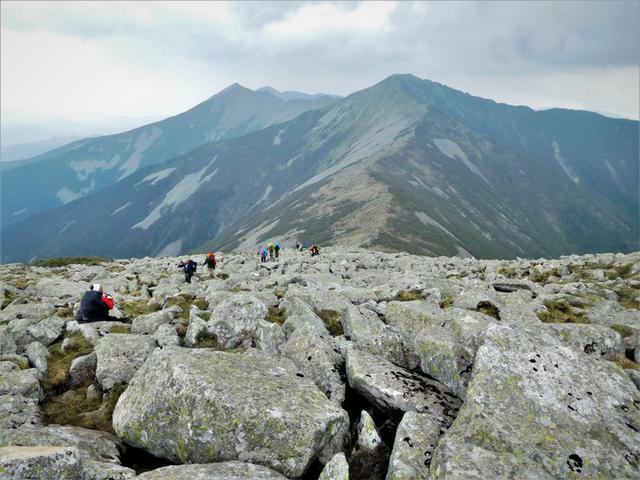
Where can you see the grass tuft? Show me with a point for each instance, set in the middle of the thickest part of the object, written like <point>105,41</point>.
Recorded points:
<point>559,311</point>
<point>135,308</point>
<point>64,261</point>
<point>623,330</point>
<point>72,408</point>
<point>409,295</point>
<point>627,364</point>
<point>490,309</point>
<point>59,362</point>
<point>331,320</point>
<point>275,315</point>
<point>447,301</point>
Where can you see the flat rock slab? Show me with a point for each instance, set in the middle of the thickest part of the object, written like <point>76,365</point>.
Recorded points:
<point>393,388</point>
<point>92,444</point>
<point>16,411</point>
<point>40,463</point>
<point>205,406</point>
<point>219,471</point>
<point>119,356</point>
<point>536,408</point>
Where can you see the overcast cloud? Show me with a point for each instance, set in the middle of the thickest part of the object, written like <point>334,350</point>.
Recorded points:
<point>90,61</point>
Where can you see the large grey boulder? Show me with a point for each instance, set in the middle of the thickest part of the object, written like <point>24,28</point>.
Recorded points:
<point>235,319</point>
<point>166,335</point>
<point>249,407</point>
<point>119,355</point>
<point>269,337</point>
<point>16,410</point>
<point>149,323</point>
<point>318,358</point>
<point>336,469</point>
<point>390,387</point>
<point>445,341</point>
<point>38,357</point>
<point>22,383</point>
<point>595,340</point>
<point>92,444</point>
<point>232,470</point>
<point>364,327</point>
<point>416,438</point>
<point>27,330</point>
<point>31,311</point>
<point>7,345</point>
<point>40,463</point>
<point>537,408</point>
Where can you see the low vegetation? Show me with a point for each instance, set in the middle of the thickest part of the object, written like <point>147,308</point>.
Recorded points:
<point>559,311</point>
<point>73,408</point>
<point>627,364</point>
<point>64,261</point>
<point>59,362</point>
<point>490,309</point>
<point>409,295</point>
<point>331,320</point>
<point>140,307</point>
<point>446,301</point>
<point>275,315</point>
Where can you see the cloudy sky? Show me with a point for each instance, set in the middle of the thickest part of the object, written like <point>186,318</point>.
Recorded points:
<point>92,61</point>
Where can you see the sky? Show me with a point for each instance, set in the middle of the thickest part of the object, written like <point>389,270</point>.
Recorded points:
<point>89,62</point>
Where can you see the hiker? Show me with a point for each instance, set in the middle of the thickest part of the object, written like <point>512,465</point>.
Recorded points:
<point>189,267</point>
<point>277,249</point>
<point>95,306</point>
<point>315,250</point>
<point>210,261</point>
<point>263,255</point>
<point>272,248</point>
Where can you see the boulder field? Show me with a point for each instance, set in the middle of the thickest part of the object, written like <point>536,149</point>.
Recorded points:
<point>353,364</point>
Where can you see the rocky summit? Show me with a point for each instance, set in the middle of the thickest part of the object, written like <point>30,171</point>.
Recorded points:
<point>352,364</point>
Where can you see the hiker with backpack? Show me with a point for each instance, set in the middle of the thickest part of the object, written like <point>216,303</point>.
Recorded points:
<point>277,250</point>
<point>263,255</point>
<point>189,267</point>
<point>272,249</point>
<point>95,306</point>
<point>210,262</point>
<point>315,250</point>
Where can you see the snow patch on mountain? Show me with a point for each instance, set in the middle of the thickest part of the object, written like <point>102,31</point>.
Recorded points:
<point>177,195</point>
<point>171,249</point>
<point>156,176</point>
<point>66,195</point>
<point>428,221</point>
<point>119,209</point>
<point>452,150</point>
<point>84,168</point>
<point>252,238</point>
<point>143,142</point>
<point>563,163</point>
<point>265,196</point>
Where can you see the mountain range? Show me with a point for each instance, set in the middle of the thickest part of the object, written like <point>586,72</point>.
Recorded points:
<point>406,164</point>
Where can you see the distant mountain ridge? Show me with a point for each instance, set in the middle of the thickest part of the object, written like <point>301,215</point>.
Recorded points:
<point>293,95</point>
<point>406,164</point>
<point>75,170</point>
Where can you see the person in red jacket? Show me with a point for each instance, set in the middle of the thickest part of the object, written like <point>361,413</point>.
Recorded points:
<point>95,306</point>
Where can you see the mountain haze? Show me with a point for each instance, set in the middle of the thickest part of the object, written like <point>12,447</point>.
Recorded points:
<point>406,164</point>
<point>73,171</point>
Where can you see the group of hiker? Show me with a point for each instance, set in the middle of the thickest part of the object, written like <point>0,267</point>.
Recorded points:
<point>270,253</point>
<point>96,305</point>
<point>313,249</point>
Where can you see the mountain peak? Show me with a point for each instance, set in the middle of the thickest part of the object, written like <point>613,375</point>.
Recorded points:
<point>234,88</point>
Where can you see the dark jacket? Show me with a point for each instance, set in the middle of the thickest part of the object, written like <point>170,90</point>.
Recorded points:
<point>189,267</point>
<point>92,308</point>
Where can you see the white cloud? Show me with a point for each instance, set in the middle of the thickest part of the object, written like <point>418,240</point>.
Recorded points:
<point>317,19</point>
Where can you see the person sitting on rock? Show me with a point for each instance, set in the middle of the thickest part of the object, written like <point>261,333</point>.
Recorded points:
<point>210,261</point>
<point>189,267</point>
<point>95,306</point>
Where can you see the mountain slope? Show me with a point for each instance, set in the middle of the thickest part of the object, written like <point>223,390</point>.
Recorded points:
<point>402,165</point>
<point>75,170</point>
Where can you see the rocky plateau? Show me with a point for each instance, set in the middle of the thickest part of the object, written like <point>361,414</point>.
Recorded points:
<point>353,364</point>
